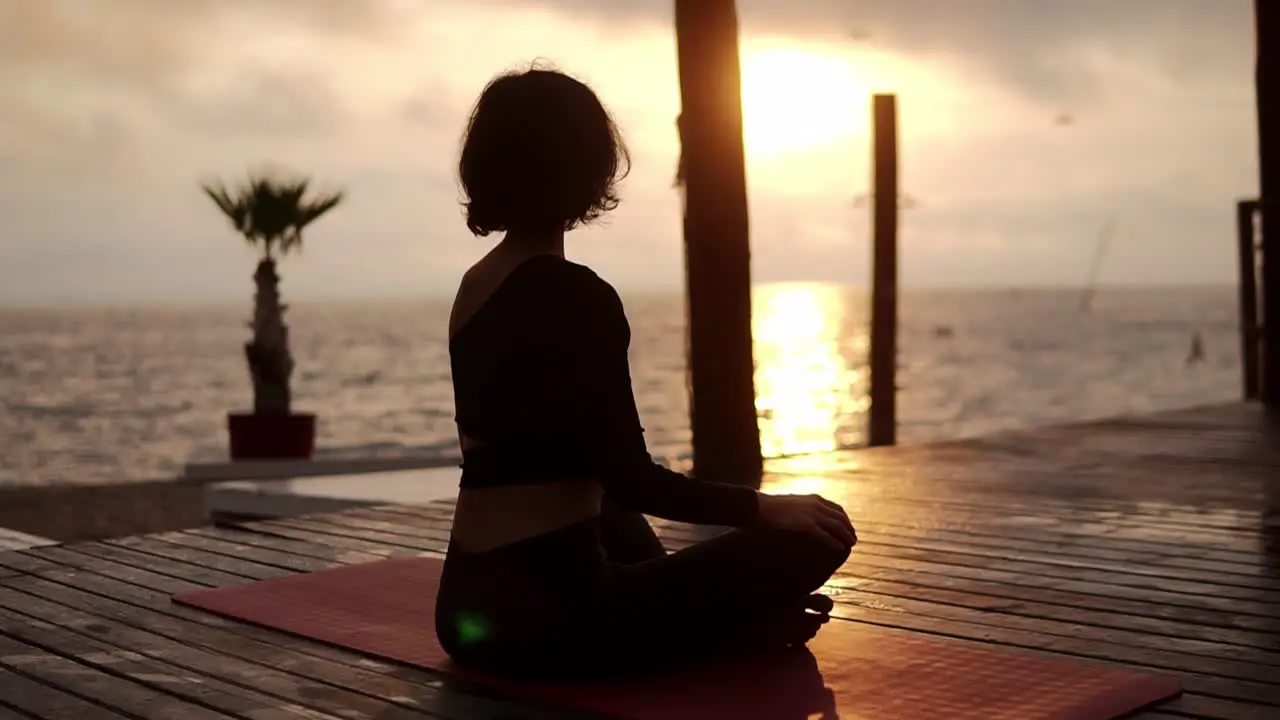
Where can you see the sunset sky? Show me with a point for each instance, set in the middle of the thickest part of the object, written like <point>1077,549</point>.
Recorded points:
<point>1027,126</point>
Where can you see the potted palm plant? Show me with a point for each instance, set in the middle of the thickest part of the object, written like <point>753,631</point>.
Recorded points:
<point>270,212</point>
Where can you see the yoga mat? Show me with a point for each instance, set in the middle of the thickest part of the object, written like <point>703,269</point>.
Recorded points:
<point>851,670</point>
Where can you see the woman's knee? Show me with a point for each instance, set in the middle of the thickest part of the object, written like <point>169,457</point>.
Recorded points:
<point>816,558</point>
<point>829,556</point>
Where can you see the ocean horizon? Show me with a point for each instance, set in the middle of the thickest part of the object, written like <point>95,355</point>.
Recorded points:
<point>223,302</point>
<point>116,394</point>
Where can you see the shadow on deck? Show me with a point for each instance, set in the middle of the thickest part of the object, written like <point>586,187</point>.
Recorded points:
<point>1151,542</point>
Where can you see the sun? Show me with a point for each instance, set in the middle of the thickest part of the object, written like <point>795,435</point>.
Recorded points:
<point>796,99</point>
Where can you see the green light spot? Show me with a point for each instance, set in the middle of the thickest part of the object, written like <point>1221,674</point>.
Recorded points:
<point>471,627</point>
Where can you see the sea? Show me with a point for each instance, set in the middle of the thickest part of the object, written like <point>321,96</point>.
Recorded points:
<point>122,394</point>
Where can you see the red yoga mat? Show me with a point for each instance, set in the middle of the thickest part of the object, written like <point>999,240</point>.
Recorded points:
<point>851,670</point>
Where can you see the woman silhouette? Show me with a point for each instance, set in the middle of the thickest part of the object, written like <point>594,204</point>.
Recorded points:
<point>552,572</point>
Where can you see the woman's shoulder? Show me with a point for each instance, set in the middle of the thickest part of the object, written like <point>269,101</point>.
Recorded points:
<point>568,281</point>
<point>571,295</point>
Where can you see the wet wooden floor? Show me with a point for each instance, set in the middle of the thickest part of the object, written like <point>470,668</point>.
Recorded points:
<point>1151,542</point>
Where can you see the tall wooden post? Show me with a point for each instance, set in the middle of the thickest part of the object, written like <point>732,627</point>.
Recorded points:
<point>883,421</point>
<point>1247,239</point>
<point>726,435</point>
<point>1267,79</point>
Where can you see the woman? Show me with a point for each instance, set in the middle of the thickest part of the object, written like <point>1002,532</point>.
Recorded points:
<point>552,573</point>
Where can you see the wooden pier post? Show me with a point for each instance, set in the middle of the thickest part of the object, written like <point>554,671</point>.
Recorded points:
<point>1247,239</point>
<point>1267,80</point>
<point>726,434</point>
<point>882,429</point>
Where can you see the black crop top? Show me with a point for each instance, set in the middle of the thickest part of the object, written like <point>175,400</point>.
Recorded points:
<point>541,379</point>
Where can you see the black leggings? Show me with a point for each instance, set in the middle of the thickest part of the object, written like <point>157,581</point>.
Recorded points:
<point>602,599</point>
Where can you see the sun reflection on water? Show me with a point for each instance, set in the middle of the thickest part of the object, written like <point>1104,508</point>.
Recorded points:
<point>810,370</point>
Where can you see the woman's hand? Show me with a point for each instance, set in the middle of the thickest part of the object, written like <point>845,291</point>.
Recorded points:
<point>809,514</point>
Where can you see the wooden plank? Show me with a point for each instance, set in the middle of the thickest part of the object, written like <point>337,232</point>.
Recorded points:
<point>415,690</point>
<point>224,545</point>
<point>213,680</point>
<point>981,477</point>
<point>1173,557</point>
<point>20,563</point>
<point>29,698</point>
<point>1229,516</point>
<point>153,591</point>
<point>146,607</point>
<point>142,561</point>
<point>139,547</point>
<point>1124,494</point>
<point>1251,663</point>
<point>323,539</point>
<point>137,688</point>
<point>213,538</point>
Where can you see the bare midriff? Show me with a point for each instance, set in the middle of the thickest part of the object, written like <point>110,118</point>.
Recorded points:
<point>489,518</point>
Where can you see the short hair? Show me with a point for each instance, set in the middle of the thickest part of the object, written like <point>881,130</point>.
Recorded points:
<point>540,153</point>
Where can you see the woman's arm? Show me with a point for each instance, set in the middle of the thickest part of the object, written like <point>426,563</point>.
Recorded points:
<point>605,408</point>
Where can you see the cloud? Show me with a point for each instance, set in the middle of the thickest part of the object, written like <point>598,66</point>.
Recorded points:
<point>100,84</point>
<point>111,112</point>
<point>1051,49</point>
<point>149,37</point>
<point>263,101</point>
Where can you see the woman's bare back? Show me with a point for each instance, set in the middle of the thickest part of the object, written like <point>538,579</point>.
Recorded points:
<point>490,518</point>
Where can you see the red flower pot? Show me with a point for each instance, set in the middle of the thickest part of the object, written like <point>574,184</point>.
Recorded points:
<point>272,437</point>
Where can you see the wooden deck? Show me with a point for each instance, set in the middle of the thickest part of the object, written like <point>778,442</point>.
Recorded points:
<point>1152,542</point>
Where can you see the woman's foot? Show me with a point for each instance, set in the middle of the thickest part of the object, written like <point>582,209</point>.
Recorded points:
<point>819,603</point>
<point>795,626</point>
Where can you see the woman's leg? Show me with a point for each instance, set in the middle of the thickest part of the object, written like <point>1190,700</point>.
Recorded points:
<point>739,590</point>
<point>736,590</point>
<point>627,536</point>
